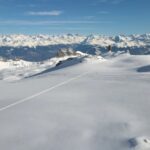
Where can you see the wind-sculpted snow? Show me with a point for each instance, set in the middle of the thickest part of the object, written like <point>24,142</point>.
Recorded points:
<point>140,143</point>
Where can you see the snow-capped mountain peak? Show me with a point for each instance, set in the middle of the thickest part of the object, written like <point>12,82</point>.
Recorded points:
<point>44,40</point>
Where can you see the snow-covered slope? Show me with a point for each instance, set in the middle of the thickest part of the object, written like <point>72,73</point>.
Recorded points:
<point>95,105</point>
<point>19,69</point>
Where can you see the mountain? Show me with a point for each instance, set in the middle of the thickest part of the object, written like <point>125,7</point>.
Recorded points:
<point>25,55</point>
<point>45,40</point>
<point>42,47</point>
<point>38,40</point>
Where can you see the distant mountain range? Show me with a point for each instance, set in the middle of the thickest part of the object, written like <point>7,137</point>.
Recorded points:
<point>45,40</point>
<point>42,47</point>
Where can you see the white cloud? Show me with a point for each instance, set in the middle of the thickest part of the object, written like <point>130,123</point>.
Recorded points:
<point>110,1</point>
<point>47,23</point>
<point>45,13</point>
<point>24,6</point>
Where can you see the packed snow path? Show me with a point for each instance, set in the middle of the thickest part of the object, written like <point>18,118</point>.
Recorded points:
<point>42,92</point>
<point>103,109</point>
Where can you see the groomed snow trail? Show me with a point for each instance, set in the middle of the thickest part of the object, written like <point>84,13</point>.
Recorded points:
<point>42,92</point>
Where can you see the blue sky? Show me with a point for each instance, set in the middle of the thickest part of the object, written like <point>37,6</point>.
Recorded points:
<point>107,17</point>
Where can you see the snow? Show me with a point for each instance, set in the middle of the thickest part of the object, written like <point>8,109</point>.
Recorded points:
<point>37,48</point>
<point>140,143</point>
<point>93,104</point>
<point>18,69</point>
<point>45,40</point>
<point>38,40</point>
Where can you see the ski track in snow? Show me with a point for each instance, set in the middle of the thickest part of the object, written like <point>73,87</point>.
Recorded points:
<point>42,92</point>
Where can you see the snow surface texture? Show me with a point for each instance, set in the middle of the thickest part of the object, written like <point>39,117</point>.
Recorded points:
<point>91,105</point>
<point>140,143</point>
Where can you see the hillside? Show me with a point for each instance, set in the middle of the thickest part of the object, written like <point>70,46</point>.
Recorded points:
<point>94,104</point>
